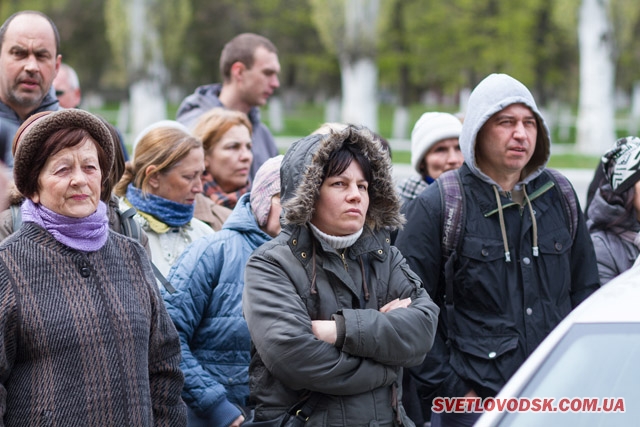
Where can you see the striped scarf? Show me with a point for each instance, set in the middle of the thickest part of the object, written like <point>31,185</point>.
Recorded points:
<point>212,190</point>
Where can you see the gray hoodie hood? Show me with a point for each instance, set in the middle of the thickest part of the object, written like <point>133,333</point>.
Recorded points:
<point>301,175</point>
<point>493,94</point>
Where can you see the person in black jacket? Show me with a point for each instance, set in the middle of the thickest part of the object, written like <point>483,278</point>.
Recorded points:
<point>521,267</point>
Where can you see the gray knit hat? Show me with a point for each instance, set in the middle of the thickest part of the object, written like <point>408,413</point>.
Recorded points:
<point>35,131</point>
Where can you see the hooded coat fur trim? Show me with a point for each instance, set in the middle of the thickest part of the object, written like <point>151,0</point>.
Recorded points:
<point>301,176</point>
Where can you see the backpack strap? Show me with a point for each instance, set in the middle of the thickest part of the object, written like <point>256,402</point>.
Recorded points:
<point>452,202</point>
<point>568,197</point>
<point>129,225</point>
<point>131,228</point>
<point>452,225</point>
<point>16,217</point>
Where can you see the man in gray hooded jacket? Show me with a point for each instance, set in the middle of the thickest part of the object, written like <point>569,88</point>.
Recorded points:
<point>519,269</point>
<point>249,66</point>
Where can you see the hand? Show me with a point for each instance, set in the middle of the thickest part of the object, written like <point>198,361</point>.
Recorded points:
<point>396,303</point>
<point>471,393</point>
<point>237,422</point>
<point>325,330</point>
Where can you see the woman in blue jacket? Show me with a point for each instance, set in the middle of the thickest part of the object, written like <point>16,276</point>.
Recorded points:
<point>206,306</point>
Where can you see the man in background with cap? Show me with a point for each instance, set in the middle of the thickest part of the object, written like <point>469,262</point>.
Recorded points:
<point>523,258</point>
<point>249,67</point>
<point>29,61</point>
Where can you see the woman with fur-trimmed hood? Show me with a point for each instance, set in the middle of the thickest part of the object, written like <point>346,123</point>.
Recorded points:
<point>333,310</point>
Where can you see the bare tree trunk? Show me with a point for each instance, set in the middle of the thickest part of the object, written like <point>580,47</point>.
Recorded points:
<point>147,69</point>
<point>359,90</point>
<point>358,67</point>
<point>596,113</point>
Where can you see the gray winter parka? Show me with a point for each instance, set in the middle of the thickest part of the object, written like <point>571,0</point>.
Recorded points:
<point>297,278</point>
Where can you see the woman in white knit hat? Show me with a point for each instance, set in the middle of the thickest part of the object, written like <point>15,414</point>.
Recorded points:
<point>434,150</point>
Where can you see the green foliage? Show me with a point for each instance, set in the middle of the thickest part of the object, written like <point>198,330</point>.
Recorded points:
<point>171,18</point>
<point>117,31</point>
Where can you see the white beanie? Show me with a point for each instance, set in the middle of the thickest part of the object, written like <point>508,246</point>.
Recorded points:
<point>430,129</point>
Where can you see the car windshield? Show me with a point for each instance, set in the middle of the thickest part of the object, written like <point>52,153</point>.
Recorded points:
<point>596,367</point>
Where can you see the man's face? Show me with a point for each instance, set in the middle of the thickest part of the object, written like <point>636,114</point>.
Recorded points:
<point>28,63</point>
<point>261,80</point>
<point>67,97</point>
<point>507,141</point>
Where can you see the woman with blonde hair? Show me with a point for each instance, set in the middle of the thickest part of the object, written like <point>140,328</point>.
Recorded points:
<point>226,138</point>
<point>162,182</point>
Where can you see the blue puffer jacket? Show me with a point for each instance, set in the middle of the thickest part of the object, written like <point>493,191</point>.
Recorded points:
<point>207,312</point>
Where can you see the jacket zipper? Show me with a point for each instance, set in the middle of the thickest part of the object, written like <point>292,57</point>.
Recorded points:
<point>344,260</point>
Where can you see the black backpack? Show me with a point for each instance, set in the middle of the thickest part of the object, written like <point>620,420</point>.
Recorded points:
<point>453,214</point>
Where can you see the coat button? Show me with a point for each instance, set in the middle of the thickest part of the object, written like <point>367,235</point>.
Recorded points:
<point>558,246</point>
<point>85,272</point>
<point>294,242</point>
<point>485,252</point>
<point>492,355</point>
<point>380,251</point>
<point>303,255</point>
<point>529,311</point>
<point>526,261</point>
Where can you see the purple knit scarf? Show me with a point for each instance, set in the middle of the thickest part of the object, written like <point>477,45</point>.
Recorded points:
<point>86,234</point>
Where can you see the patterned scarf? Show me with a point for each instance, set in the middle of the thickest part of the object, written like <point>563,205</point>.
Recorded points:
<point>86,234</point>
<point>211,189</point>
<point>169,212</point>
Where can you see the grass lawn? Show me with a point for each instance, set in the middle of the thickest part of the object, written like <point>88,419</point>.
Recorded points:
<point>305,118</point>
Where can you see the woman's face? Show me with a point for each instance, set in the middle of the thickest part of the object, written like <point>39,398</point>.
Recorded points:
<point>341,208</point>
<point>70,181</point>
<point>182,182</point>
<point>229,161</point>
<point>443,156</point>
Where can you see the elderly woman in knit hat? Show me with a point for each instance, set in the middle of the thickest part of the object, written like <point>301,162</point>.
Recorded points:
<point>207,304</point>
<point>434,150</point>
<point>80,342</point>
<point>162,182</point>
<point>11,218</point>
<point>614,213</point>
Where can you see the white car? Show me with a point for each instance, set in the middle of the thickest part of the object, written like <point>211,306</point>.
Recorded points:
<point>586,372</point>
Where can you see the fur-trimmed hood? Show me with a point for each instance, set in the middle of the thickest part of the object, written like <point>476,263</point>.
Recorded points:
<point>302,169</point>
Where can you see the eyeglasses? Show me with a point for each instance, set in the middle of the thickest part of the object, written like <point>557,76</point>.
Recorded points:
<point>60,92</point>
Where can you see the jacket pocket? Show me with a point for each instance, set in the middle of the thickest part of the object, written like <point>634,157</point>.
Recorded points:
<point>479,276</point>
<point>554,265</point>
<point>486,360</point>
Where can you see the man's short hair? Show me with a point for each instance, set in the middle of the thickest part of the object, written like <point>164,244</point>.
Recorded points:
<point>72,76</point>
<point>5,25</point>
<point>241,49</point>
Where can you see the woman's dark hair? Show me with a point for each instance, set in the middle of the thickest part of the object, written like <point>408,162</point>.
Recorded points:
<point>340,160</point>
<point>118,163</point>
<point>58,141</point>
